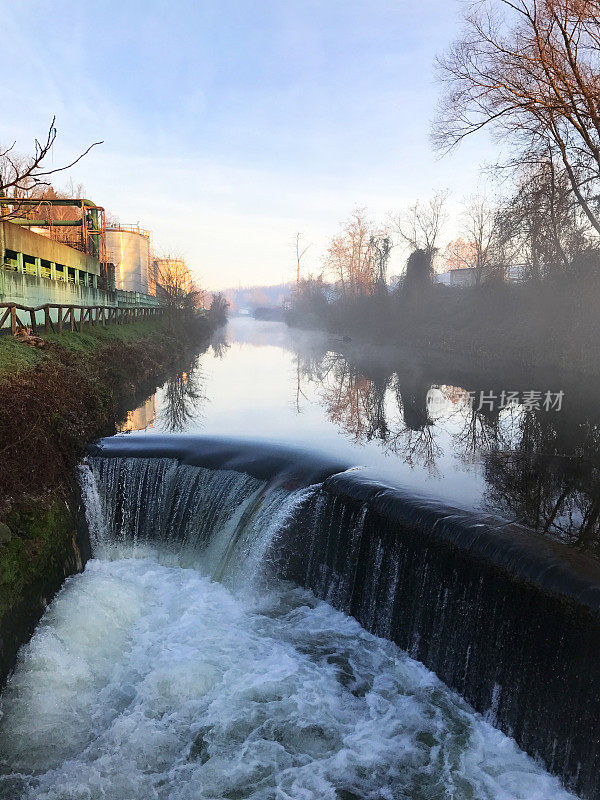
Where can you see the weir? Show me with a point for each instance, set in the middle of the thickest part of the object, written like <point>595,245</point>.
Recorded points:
<point>509,619</point>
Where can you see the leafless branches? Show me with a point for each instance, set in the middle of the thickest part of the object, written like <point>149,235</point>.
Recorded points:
<point>532,72</point>
<point>26,177</point>
<point>300,253</point>
<point>353,258</point>
<point>419,226</point>
<point>542,225</point>
<point>479,228</point>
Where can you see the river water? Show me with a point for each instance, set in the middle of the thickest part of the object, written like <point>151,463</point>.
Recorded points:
<point>514,442</point>
<point>170,675</point>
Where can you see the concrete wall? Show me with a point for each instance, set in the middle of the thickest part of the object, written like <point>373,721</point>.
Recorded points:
<point>462,277</point>
<point>31,290</point>
<point>22,240</point>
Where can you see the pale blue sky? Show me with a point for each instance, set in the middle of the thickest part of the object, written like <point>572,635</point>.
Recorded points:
<point>230,125</point>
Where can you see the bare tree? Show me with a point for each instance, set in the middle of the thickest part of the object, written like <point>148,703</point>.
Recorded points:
<point>25,177</point>
<point>300,253</point>
<point>529,69</point>
<point>419,226</point>
<point>349,256</point>
<point>542,226</point>
<point>175,289</point>
<point>218,308</point>
<point>459,254</point>
<point>479,228</point>
<point>380,248</point>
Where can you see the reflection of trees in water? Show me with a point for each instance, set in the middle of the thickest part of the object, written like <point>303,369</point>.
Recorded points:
<point>354,402</point>
<point>413,436</point>
<point>378,407</point>
<point>550,480</point>
<point>541,467</point>
<point>219,343</point>
<point>479,433</point>
<point>182,399</point>
<point>415,446</point>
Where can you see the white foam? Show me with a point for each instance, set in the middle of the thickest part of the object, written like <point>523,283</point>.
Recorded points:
<point>150,681</point>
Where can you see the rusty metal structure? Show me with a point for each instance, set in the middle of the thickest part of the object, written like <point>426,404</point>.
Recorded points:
<point>76,222</point>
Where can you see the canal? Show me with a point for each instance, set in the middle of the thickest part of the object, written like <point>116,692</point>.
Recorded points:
<point>177,667</point>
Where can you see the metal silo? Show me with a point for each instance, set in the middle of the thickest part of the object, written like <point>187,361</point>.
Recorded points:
<point>128,248</point>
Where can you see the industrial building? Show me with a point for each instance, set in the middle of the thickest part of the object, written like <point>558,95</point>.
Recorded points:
<point>55,250</point>
<point>59,251</point>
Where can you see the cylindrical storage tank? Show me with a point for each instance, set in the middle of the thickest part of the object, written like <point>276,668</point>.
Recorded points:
<point>129,251</point>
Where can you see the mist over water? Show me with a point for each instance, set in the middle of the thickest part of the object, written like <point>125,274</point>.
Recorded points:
<point>411,418</point>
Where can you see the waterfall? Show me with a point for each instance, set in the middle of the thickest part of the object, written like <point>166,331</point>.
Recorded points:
<point>507,618</point>
<point>223,519</point>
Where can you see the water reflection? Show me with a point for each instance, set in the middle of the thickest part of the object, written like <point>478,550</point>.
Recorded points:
<point>140,418</point>
<point>219,343</point>
<point>408,417</point>
<point>181,402</point>
<point>183,397</point>
<point>541,465</point>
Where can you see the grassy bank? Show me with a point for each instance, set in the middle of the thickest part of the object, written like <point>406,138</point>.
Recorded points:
<point>56,394</point>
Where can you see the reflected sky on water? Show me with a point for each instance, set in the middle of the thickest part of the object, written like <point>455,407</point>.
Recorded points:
<point>507,441</point>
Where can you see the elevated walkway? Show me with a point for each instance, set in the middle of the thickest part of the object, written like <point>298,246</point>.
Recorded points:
<point>36,271</point>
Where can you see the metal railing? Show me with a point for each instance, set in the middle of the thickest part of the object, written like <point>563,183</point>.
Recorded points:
<point>13,314</point>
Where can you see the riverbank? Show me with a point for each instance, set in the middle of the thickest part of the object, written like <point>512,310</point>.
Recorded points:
<point>552,325</point>
<point>57,393</point>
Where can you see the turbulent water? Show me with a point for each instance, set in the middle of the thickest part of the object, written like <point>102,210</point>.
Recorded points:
<point>176,669</point>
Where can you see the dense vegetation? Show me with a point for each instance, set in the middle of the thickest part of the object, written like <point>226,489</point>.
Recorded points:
<point>554,323</point>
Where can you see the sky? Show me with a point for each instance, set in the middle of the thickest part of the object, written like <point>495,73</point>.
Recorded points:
<point>229,126</point>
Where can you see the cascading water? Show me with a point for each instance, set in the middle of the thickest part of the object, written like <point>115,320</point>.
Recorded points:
<point>177,667</point>
<point>223,520</point>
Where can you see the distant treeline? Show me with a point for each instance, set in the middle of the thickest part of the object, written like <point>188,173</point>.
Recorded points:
<point>250,298</point>
<point>553,322</point>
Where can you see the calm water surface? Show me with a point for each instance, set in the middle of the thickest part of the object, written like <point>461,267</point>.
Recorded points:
<point>505,441</point>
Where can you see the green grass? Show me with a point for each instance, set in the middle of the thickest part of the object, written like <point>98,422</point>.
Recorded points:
<point>91,338</point>
<point>16,356</point>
